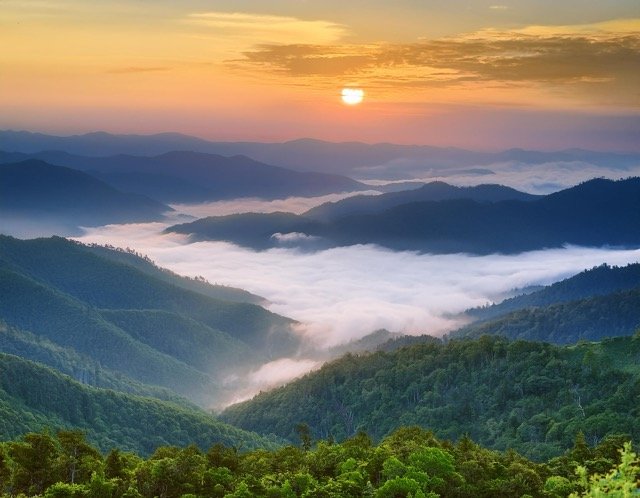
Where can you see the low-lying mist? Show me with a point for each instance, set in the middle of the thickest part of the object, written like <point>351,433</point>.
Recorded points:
<point>543,178</point>
<point>342,294</point>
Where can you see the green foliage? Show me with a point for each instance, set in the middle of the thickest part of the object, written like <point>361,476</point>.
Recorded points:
<point>592,318</point>
<point>410,463</point>
<point>597,281</point>
<point>161,331</point>
<point>532,397</point>
<point>621,482</point>
<point>33,397</point>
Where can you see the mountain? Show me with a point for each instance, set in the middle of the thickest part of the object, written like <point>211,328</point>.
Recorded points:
<point>38,192</point>
<point>80,367</point>
<point>155,332</point>
<point>598,281</point>
<point>350,158</point>
<point>198,177</point>
<point>431,192</point>
<point>34,397</point>
<point>197,284</point>
<point>255,230</point>
<point>532,397</point>
<point>595,213</point>
<point>588,319</point>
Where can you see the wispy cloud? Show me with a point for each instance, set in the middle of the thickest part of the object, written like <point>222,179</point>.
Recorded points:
<point>268,28</point>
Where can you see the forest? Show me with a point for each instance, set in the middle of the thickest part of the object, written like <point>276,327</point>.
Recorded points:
<point>530,396</point>
<point>410,462</point>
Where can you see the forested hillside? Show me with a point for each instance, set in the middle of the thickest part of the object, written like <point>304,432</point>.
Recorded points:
<point>34,397</point>
<point>591,319</point>
<point>597,281</point>
<point>156,332</point>
<point>530,396</point>
<point>197,284</point>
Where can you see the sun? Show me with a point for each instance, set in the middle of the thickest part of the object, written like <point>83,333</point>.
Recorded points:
<point>352,96</point>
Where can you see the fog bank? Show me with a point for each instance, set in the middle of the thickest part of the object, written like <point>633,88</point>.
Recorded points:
<point>344,293</point>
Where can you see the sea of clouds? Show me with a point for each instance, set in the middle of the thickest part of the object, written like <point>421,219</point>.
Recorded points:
<point>342,294</point>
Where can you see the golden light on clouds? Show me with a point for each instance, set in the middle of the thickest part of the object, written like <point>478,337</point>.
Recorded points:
<point>259,28</point>
<point>282,61</point>
<point>352,96</point>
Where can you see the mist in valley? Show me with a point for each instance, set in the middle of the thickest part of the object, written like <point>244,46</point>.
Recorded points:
<point>342,294</point>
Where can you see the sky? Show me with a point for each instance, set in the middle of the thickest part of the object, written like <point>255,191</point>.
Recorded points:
<point>479,74</point>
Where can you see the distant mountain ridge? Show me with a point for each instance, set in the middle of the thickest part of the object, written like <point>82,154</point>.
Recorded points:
<point>595,213</point>
<point>37,191</point>
<point>431,192</point>
<point>303,154</point>
<point>185,176</point>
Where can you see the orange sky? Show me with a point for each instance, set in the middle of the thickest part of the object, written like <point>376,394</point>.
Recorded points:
<point>475,74</point>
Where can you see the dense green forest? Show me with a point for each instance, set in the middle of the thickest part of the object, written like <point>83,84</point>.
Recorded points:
<point>591,319</point>
<point>533,397</point>
<point>33,397</point>
<point>164,330</point>
<point>411,462</point>
<point>598,281</point>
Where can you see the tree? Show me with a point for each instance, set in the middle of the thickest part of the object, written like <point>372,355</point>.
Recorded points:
<point>621,482</point>
<point>34,457</point>
<point>304,433</point>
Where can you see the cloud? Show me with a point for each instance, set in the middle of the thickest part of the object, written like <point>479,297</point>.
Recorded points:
<point>600,57</point>
<point>268,28</point>
<point>297,205</point>
<point>267,376</point>
<point>543,178</point>
<point>344,293</point>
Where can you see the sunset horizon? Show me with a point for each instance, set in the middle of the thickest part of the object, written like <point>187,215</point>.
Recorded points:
<point>477,75</point>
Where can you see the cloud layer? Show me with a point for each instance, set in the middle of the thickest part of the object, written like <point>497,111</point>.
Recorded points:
<point>345,293</point>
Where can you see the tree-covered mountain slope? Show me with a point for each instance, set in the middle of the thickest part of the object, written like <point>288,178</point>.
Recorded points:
<point>36,191</point>
<point>533,397</point>
<point>130,321</point>
<point>34,397</point>
<point>197,284</point>
<point>78,366</point>
<point>597,281</point>
<point>590,319</point>
<point>595,213</point>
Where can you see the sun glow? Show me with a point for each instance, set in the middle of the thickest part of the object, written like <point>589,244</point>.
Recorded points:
<point>352,96</point>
